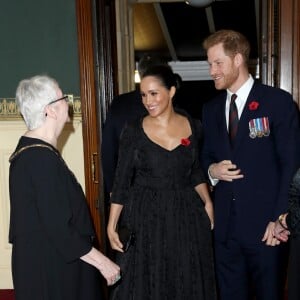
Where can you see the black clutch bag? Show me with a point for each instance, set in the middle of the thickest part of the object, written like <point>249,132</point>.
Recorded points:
<point>126,237</point>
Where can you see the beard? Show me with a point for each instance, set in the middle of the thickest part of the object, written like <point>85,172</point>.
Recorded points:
<point>228,79</point>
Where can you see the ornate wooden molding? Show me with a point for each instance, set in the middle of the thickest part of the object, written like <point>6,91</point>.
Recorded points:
<point>10,111</point>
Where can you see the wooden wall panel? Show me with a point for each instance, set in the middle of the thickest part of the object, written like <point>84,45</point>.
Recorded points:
<point>286,46</point>
<point>289,64</point>
<point>88,107</point>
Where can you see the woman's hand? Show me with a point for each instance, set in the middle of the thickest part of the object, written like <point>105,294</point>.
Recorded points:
<point>109,270</point>
<point>210,211</point>
<point>114,239</point>
<point>281,231</point>
<point>114,214</point>
<point>203,191</point>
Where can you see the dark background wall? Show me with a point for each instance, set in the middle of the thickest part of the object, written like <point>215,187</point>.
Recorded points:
<point>38,37</point>
<point>192,95</point>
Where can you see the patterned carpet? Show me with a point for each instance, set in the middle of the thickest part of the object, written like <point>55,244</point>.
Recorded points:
<point>7,295</point>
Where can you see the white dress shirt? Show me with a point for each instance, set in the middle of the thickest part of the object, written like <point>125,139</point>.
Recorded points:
<point>242,95</point>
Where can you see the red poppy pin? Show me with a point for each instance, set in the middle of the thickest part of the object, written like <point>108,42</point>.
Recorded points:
<point>253,105</point>
<point>185,142</point>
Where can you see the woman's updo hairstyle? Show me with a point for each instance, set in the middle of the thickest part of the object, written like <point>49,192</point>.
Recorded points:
<point>164,74</point>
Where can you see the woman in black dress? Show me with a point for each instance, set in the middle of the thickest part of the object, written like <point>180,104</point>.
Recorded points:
<point>161,194</point>
<point>287,227</point>
<point>51,232</point>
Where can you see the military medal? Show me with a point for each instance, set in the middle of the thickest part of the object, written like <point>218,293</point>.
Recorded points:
<point>266,126</point>
<point>259,127</point>
<point>252,130</point>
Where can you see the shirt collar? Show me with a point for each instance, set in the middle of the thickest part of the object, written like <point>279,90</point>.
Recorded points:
<point>242,95</point>
<point>243,91</point>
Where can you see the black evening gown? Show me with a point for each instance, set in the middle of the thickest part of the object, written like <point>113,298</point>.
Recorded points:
<point>172,255</point>
<point>293,222</point>
<point>50,228</point>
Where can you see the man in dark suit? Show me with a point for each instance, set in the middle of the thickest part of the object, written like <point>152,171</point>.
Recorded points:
<point>250,169</point>
<point>124,108</point>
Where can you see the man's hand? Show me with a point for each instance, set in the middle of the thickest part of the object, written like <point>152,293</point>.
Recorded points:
<point>225,170</point>
<point>269,237</point>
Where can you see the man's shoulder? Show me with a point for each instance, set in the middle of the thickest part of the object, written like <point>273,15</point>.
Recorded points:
<point>121,99</point>
<point>276,92</point>
<point>273,98</point>
<point>215,101</point>
<point>129,104</point>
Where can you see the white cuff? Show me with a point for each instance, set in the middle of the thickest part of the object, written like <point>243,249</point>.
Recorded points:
<point>212,180</point>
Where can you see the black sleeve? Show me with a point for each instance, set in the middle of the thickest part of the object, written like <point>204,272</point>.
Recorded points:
<point>293,217</point>
<point>197,172</point>
<point>125,168</point>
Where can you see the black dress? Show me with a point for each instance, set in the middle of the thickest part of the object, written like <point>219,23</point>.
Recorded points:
<point>172,256</point>
<point>50,228</point>
<point>293,222</point>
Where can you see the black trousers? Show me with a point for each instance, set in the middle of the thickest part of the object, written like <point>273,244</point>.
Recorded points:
<point>250,270</point>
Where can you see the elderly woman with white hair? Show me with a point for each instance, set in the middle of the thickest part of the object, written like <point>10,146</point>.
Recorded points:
<point>51,232</point>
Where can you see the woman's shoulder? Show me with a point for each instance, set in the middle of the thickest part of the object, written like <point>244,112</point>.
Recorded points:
<point>33,148</point>
<point>195,124</point>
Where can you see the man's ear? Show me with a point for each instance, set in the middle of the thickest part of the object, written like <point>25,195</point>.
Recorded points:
<point>238,59</point>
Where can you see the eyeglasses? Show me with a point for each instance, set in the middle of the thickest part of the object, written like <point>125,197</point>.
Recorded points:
<point>65,97</point>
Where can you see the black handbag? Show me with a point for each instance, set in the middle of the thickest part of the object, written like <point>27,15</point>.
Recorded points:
<point>126,236</point>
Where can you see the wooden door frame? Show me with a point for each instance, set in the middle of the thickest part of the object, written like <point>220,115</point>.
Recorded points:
<point>289,47</point>
<point>96,61</point>
<point>280,45</point>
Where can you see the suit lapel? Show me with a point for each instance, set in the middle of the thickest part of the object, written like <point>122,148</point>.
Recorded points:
<point>222,125</point>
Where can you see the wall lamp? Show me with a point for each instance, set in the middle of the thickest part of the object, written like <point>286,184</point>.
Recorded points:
<point>199,3</point>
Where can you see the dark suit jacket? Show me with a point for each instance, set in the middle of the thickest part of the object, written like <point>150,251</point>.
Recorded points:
<point>124,108</point>
<point>267,163</point>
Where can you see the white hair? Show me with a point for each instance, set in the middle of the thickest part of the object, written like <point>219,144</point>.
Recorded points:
<point>32,96</point>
